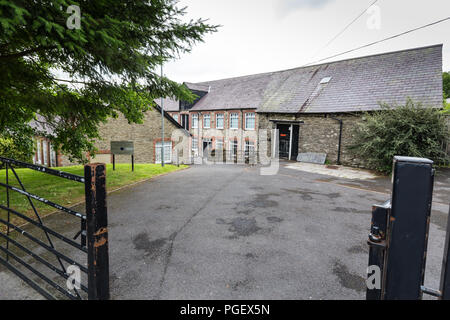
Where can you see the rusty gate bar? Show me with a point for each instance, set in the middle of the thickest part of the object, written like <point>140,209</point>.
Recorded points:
<point>445,272</point>
<point>94,236</point>
<point>97,231</point>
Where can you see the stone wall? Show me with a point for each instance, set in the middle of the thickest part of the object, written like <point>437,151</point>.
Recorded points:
<point>145,136</point>
<point>320,133</point>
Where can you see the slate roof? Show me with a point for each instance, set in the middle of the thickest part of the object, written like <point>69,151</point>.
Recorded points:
<point>358,84</point>
<point>169,104</point>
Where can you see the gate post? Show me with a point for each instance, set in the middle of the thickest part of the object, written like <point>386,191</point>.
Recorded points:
<point>445,273</point>
<point>97,231</point>
<point>408,227</point>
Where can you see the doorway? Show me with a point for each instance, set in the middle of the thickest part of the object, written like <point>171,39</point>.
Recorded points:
<point>288,136</point>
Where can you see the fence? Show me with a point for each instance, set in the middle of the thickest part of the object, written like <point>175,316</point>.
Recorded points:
<point>93,235</point>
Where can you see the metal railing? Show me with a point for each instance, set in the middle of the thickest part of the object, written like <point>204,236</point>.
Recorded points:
<point>93,232</point>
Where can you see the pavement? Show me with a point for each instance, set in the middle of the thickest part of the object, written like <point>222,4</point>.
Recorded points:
<point>226,232</point>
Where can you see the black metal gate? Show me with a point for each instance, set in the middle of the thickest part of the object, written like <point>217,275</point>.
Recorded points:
<point>93,235</point>
<point>399,236</point>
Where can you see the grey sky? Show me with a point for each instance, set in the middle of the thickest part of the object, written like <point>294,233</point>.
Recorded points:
<point>267,35</point>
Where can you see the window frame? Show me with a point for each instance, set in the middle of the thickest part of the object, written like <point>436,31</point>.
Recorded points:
<point>247,114</point>
<point>207,115</point>
<point>166,154</point>
<point>231,120</point>
<point>195,121</point>
<point>223,121</point>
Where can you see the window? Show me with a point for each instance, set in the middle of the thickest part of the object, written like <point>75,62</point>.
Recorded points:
<point>219,144</point>
<point>195,146</point>
<point>250,121</point>
<point>52,156</point>
<point>185,121</point>
<point>234,121</point>
<point>249,147</point>
<point>175,117</point>
<point>195,121</point>
<point>219,121</point>
<point>38,151</point>
<point>167,152</point>
<point>233,148</point>
<point>206,121</point>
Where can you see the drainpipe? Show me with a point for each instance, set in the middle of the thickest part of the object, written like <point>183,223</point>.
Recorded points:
<point>340,139</point>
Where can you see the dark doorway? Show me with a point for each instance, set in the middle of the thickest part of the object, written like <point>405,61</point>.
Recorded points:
<point>288,148</point>
<point>285,138</point>
<point>295,136</point>
<point>207,147</point>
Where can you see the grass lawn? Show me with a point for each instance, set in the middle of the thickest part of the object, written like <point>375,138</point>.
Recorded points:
<point>66,192</point>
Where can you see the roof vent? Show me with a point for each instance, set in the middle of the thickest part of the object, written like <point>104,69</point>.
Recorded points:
<point>325,80</point>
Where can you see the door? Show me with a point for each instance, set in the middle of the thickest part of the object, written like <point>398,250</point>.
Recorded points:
<point>207,147</point>
<point>284,138</point>
<point>295,140</point>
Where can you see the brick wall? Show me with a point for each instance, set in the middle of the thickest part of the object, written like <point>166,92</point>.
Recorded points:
<point>226,134</point>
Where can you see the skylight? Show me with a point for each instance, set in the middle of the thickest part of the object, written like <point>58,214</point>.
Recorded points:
<point>325,80</point>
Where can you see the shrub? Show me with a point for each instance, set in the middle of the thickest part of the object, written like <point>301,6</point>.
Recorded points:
<point>9,148</point>
<point>407,130</point>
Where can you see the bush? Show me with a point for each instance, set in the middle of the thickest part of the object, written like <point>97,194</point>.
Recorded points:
<point>9,148</point>
<point>409,130</point>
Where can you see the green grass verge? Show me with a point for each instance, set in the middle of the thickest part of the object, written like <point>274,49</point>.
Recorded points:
<point>66,192</point>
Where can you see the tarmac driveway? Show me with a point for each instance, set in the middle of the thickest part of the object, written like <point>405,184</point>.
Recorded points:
<point>226,232</point>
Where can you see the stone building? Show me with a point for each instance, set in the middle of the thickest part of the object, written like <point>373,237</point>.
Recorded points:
<point>301,110</point>
<point>147,140</point>
<point>314,108</point>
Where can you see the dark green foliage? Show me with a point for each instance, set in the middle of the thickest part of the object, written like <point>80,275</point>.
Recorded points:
<point>77,78</point>
<point>409,130</point>
<point>16,144</point>
<point>446,84</point>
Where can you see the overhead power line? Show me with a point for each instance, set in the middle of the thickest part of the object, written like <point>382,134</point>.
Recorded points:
<point>379,41</point>
<point>343,30</point>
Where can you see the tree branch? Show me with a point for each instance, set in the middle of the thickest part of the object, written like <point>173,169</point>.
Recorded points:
<point>26,52</point>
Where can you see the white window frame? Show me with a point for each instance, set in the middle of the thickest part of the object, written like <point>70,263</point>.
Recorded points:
<point>167,152</point>
<point>194,121</point>
<point>38,151</point>
<point>175,117</point>
<point>194,146</point>
<point>249,145</point>
<point>237,120</point>
<point>250,115</point>
<point>207,116</point>
<point>232,144</point>
<point>220,115</point>
<point>52,155</point>
<point>219,142</point>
